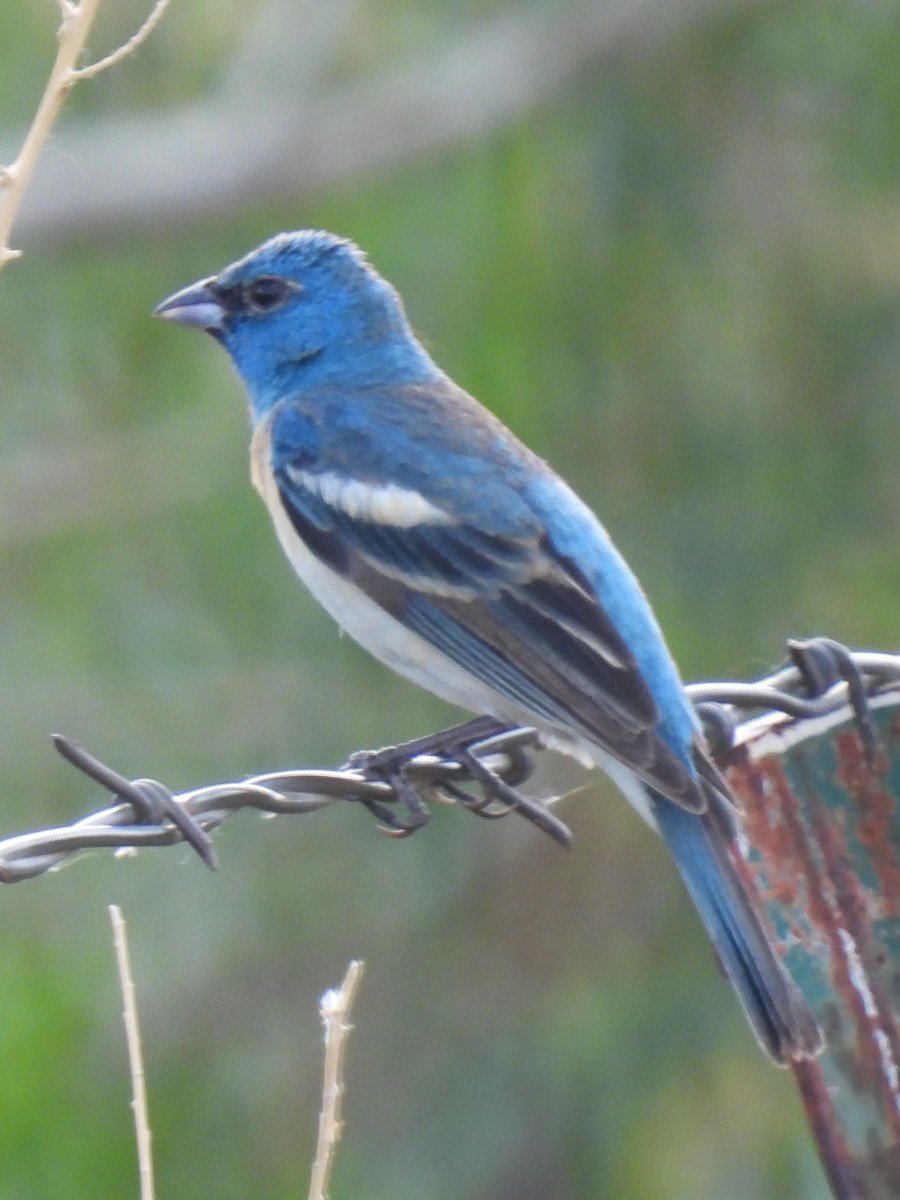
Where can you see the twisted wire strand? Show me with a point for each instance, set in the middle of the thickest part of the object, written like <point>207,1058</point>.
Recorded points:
<point>120,826</point>
<point>822,677</point>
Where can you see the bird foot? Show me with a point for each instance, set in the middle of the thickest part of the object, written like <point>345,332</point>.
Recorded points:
<point>404,769</point>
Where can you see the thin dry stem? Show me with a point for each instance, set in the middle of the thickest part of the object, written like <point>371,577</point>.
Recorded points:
<point>77,19</point>
<point>128,47</point>
<point>334,1008</point>
<point>143,1135</point>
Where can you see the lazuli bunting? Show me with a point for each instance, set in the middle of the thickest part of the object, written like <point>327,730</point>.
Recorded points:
<point>457,557</point>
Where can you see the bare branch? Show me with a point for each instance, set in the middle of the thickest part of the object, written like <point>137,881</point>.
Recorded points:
<point>135,1056</point>
<point>76,24</point>
<point>127,48</point>
<point>334,1008</point>
<point>77,19</point>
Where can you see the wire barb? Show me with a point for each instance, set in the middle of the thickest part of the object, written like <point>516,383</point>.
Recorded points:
<point>145,813</point>
<point>149,799</point>
<point>822,677</point>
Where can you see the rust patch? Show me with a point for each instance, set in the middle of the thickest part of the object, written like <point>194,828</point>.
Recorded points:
<point>868,1063</point>
<point>787,873</point>
<point>876,817</point>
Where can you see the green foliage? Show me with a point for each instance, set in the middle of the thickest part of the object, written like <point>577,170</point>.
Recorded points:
<point>678,281</point>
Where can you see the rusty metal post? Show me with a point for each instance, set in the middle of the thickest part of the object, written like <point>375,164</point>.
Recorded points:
<point>823,852</point>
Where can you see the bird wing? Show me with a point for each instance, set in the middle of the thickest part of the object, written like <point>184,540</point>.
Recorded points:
<point>510,609</point>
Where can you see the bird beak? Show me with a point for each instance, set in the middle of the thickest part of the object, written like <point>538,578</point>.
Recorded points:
<point>194,305</point>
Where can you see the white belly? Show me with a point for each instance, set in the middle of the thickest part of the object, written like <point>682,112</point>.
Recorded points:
<point>414,658</point>
<point>366,622</point>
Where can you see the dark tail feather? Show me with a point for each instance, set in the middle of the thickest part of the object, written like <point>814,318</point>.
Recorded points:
<point>777,1012</point>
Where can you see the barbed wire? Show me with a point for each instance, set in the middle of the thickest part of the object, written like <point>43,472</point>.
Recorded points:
<point>145,813</point>
<point>821,677</point>
<point>397,784</point>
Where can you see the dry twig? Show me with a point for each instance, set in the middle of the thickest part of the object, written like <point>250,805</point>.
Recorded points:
<point>77,19</point>
<point>135,1057</point>
<point>334,1008</point>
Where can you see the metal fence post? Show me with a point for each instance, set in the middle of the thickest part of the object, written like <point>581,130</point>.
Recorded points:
<point>822,850</point>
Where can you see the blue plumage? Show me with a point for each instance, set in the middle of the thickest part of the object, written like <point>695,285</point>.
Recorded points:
<point>457,556</point>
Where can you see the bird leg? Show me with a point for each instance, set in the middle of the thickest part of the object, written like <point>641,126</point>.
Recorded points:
<point>440,744</point>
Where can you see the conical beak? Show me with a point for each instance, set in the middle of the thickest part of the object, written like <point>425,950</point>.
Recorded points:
<point>194,305</point>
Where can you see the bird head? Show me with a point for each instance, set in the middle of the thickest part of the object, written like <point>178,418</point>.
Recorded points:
<point>304,310</point>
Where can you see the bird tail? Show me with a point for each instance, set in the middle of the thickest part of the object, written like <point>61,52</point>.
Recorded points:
<point>775,1008</point>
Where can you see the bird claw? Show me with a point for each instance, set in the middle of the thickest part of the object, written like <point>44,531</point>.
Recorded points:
<point>391,824</point>
<point>401,829</point>
<point>484,806</point>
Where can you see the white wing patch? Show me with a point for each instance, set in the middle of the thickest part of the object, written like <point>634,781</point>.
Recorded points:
<point>385,504</point>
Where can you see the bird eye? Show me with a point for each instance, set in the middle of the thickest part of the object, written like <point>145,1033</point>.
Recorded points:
<point>267,292</point>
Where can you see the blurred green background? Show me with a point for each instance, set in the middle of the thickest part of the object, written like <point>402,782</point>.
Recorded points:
<point>663,243</point>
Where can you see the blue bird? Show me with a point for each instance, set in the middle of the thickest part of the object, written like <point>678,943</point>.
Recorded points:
<point>457,557</point>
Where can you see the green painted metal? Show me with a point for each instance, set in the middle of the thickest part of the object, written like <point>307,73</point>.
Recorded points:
<point>822,851</point>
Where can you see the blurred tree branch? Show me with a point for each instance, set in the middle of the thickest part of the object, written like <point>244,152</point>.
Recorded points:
<point>278,132</point>
<point>77,19</point>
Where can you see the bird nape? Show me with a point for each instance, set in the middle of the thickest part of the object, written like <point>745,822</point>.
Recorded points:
<point>455,555</point>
